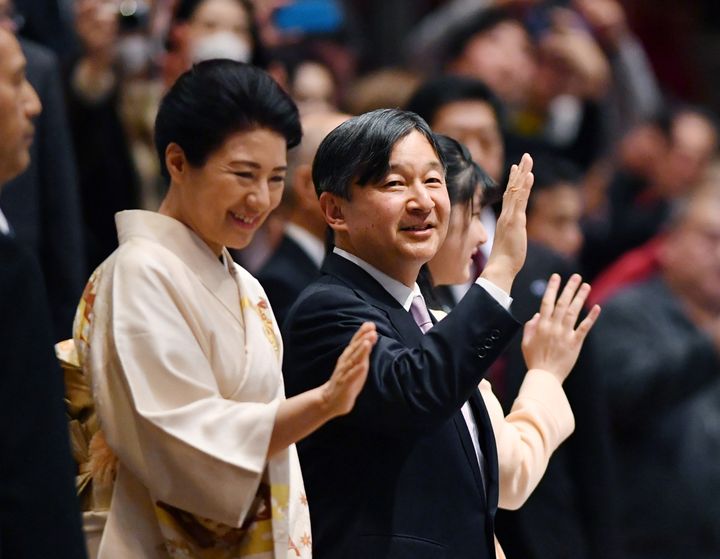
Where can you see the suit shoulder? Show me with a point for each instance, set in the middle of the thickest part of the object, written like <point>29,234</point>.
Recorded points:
<point>329,299</point>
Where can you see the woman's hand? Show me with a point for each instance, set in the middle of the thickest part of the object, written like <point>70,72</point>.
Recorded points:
<point>510,244</point>
<point>339,393</point>
<point>550,340</point>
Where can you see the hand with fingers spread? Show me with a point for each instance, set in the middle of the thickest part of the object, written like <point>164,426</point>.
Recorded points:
<point>550,340</point>
<point>510,244</point>
<point>339,393</point>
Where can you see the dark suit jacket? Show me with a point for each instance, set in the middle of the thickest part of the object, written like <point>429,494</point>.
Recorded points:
<point>39,514</point>
<point>398,476</point>
<point>288,271</point>
<point>571,513</point>
<point>43,204</point>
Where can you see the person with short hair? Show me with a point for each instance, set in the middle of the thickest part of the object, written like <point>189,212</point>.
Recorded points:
<point>39,514</point>
<point>412,471</point>
<point>296,261</point>
<point>183,348</point>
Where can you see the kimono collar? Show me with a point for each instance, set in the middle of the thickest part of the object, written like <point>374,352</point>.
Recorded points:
<point>186,245</point>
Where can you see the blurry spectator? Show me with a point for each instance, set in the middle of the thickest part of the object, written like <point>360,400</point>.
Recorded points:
<point>659,347</point>
<point>205,29</point>
<point>39,516</point>
<point>495,47</point>
<point>634,94</point>
<point>641,192</point>
<point>555,207</point>
<point>384,88</point>
<point>570,513</point>
<point>42,203</point>
<point>50,23</point>
<point>312,86</point>
<point>108,179</point>
<point>304,73</point>
<point>296,262</point>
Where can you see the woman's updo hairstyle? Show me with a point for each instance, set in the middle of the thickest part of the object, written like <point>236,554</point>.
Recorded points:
<point>215,99</point>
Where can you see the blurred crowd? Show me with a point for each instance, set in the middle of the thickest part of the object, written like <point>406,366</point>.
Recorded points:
<point>627,192</point>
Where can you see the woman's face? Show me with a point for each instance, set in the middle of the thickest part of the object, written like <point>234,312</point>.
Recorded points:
<point>213,18</point>
<point>228,198</point>
<point>451,264</point>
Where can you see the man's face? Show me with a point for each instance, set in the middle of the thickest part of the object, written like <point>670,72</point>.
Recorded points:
<point>503,58</point>
<point>474,123</point>
<point>399,223</point>
<point>691,254</point>
<point>19,104</point>
<point>554,219</point>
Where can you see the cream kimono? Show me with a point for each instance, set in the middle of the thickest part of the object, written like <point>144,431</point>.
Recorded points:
<point>185,359</point>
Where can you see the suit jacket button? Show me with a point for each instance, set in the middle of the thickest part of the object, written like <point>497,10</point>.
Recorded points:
<point>488,344</point>
<point>482,353</point>
<point>494,334</point>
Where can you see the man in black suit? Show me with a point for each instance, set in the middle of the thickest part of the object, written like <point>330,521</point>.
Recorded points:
<point>39,515</point>
<point>412,471</point>
<point>297,260</point>
<point>43,202</point>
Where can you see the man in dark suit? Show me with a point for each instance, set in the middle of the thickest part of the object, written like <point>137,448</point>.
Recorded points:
<point>297,260</point>
<point>39,515</point>
<point>43,202</point>
<point>412,471</point>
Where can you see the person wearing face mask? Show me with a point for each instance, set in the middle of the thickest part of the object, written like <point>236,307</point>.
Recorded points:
<point>207,29</point>
<point>182,347</point>
<point>541,417</point>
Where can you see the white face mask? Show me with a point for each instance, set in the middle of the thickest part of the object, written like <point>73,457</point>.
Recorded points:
<point>135,53</point>
<point>222,44</point>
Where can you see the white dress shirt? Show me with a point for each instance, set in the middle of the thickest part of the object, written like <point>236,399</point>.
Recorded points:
<point>405,295</point>
<point>4,225</point>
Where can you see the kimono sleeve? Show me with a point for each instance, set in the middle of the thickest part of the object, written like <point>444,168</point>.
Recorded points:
<point>539,421</point>
<point>160,404</point>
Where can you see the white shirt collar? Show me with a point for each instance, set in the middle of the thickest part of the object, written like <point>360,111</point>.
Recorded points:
<point>4,225</point>
<point>311,245</point>
<point>398,290</point>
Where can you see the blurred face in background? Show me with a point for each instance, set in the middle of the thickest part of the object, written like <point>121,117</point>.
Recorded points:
<point>19,104</point>
<point>690,256</point>
<point>502,57</point>
<point>313,88</point>
<point>220,29</point>
<point>553,220</point>
<point>452,263</point>
<point>693,142</point>
<point>474,123</point>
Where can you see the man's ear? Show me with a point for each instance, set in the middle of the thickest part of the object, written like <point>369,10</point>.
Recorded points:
<point>176,162</point>
<point>304,187</point>
<point>331,206</point>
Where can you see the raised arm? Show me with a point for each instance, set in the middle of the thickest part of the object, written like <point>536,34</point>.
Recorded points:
<point>541,417</point>
<point>510,245</point>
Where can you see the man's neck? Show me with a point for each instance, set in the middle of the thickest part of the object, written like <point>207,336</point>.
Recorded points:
<point>404,274</point>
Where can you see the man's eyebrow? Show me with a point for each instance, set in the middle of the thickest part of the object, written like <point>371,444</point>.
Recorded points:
<point>434,164</point>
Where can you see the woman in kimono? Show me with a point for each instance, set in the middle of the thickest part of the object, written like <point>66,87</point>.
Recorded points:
<point>541,417</point>
<point>182,347</point>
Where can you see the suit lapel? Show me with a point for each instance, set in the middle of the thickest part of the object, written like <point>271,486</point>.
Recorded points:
<point>469,449</point>
<point>366,287</point>
<point>488,447</point>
